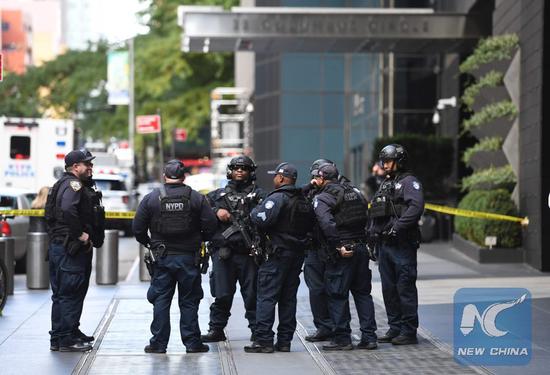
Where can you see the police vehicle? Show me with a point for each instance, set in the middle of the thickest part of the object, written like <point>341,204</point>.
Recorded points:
<point>32,151</point>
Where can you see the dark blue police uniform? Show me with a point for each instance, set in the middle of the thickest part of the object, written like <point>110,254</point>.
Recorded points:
<point>279,275</point>
<point>314,276</point>
<point>177,226</point>
<point>70,211</point>
<point>399,236</point>
<point>233,263</point>
<point>341,215</point>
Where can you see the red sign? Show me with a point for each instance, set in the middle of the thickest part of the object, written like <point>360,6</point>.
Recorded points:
<point>180,135</point>
<point>148,124</point>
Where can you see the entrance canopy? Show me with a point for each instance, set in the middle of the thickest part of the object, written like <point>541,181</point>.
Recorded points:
<point>271,30</point>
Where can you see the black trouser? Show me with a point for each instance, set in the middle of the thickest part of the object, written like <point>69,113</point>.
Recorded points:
<point>278,281</point>
<point>314,276</point>
<point>397,265</point>
<point>224,276</point>
<point>170,271</point>
<point>341,277</point>
<point>69,279</point>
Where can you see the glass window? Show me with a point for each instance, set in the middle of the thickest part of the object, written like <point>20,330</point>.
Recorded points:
<point>5,26</point>
<point>110,185</point>
<point>301,110</point>
<point>334,72</point>
<point>301,72</point>
<point>8,202</point>
<point>20,147</point>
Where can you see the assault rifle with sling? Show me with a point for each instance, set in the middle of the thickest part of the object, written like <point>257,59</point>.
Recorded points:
<point>240,223</point>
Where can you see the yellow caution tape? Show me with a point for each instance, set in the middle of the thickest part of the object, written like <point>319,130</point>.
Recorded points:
<point>433,207</point>
<point>476,214</point>
<point>108,214</point>
<point>22,212</point>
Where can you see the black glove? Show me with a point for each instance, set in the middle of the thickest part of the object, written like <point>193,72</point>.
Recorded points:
<point>373,252</point>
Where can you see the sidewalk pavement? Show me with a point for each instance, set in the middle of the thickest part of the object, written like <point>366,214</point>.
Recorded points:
<point>119,316</point>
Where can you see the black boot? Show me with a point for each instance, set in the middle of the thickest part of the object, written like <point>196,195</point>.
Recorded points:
<point>390,335</point>
<point>202,348</point>
<point>405,340</point>
<point>319,336</point>
<point>369,345</point>
<point>256,347</point>
<point>214,335</point>
<point>154,349</point>
<point>76,347</point>
<point>79,335</point>
<point>334,346</point>
<point>282,347</point>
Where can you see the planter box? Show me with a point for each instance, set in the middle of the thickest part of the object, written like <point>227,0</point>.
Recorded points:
<point>484,255</point>
<point>490,95</point>
<point>498,127</point>
<point>498,65</point>
<point>485,159</point>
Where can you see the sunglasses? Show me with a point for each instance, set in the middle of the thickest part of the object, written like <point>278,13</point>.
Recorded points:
<point>240,167</point>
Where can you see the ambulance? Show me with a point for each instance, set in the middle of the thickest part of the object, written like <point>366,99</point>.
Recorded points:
<point>32,151</point>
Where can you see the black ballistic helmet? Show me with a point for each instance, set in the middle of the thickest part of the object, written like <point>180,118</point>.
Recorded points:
<point>394,152</point>
<point>328,171</point>
<point>317,163</point>
<point>242,161</point>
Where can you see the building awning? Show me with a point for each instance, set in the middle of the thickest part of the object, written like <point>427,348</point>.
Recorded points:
<point>343,30</point>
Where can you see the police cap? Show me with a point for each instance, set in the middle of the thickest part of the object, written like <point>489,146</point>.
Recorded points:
<point>327,171</point>
<point>174,169</point>
<point>317,163</point>
<point>77,156</point>
<point>285,169</point>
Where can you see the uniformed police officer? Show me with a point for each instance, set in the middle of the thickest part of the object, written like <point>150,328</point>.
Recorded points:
<point>70,218</point>
<point>231,258</point>
<point>341,215</point>
<point>314,273</point>
<point>179,219</point>
<point>395,211</point>
<point>285,217</point>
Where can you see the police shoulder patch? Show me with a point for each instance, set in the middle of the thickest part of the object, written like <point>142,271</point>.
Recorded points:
<point>315,202</point>
<point>75,185</point>
<point>416,185</point>
<point>398,185</point>
<point>269,204</point>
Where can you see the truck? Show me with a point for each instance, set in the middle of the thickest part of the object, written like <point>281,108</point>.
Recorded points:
<point>230,125</point>
<point>32,151</point>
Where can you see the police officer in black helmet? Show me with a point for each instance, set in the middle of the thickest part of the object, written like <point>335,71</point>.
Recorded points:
<point>314,273</point>
<point>231,260</point>
<point>341,215</point>
<point>179,219</point>
<point>286,217</point>
<point>72,231</point>
<point>395,211</point>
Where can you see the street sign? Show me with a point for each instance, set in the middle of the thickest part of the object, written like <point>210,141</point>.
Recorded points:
<point>148,124</point>
<point>180,135</point>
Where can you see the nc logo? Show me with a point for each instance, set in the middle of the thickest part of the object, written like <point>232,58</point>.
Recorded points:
<point>487,320</point>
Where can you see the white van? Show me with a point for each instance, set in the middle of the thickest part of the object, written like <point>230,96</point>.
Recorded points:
<point>32,151</point>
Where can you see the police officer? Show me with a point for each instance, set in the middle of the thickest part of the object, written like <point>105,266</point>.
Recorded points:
<point>179,219</point>
<point>395,211</point>
<point>314,273</point>
<point>70,218</point>
<point>231,260</point>
<point>286,217</point>
<point>340,209</point>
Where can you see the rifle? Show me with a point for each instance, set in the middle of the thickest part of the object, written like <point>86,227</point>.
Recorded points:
<point>241,224</point>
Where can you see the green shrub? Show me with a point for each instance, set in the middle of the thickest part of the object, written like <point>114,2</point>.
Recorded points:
<point>491,112</point>
<point>495,48</point>
<point>485,144</point>
<point>430,158</point>
<point>496,201</point>
<point>491,79</point>
<point>490,178</point>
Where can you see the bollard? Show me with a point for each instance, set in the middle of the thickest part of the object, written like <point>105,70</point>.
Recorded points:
<point>106,265</point>
<point>38,276</point>
<point>7,255</point>
<point>143,273</point>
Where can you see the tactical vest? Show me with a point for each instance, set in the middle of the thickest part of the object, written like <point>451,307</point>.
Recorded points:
<point>351,208</point>
<point>175,212</point>
<point>240,202</point>
<point>52,212</point>
<point>384,203</point>
<point>298,216</point>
